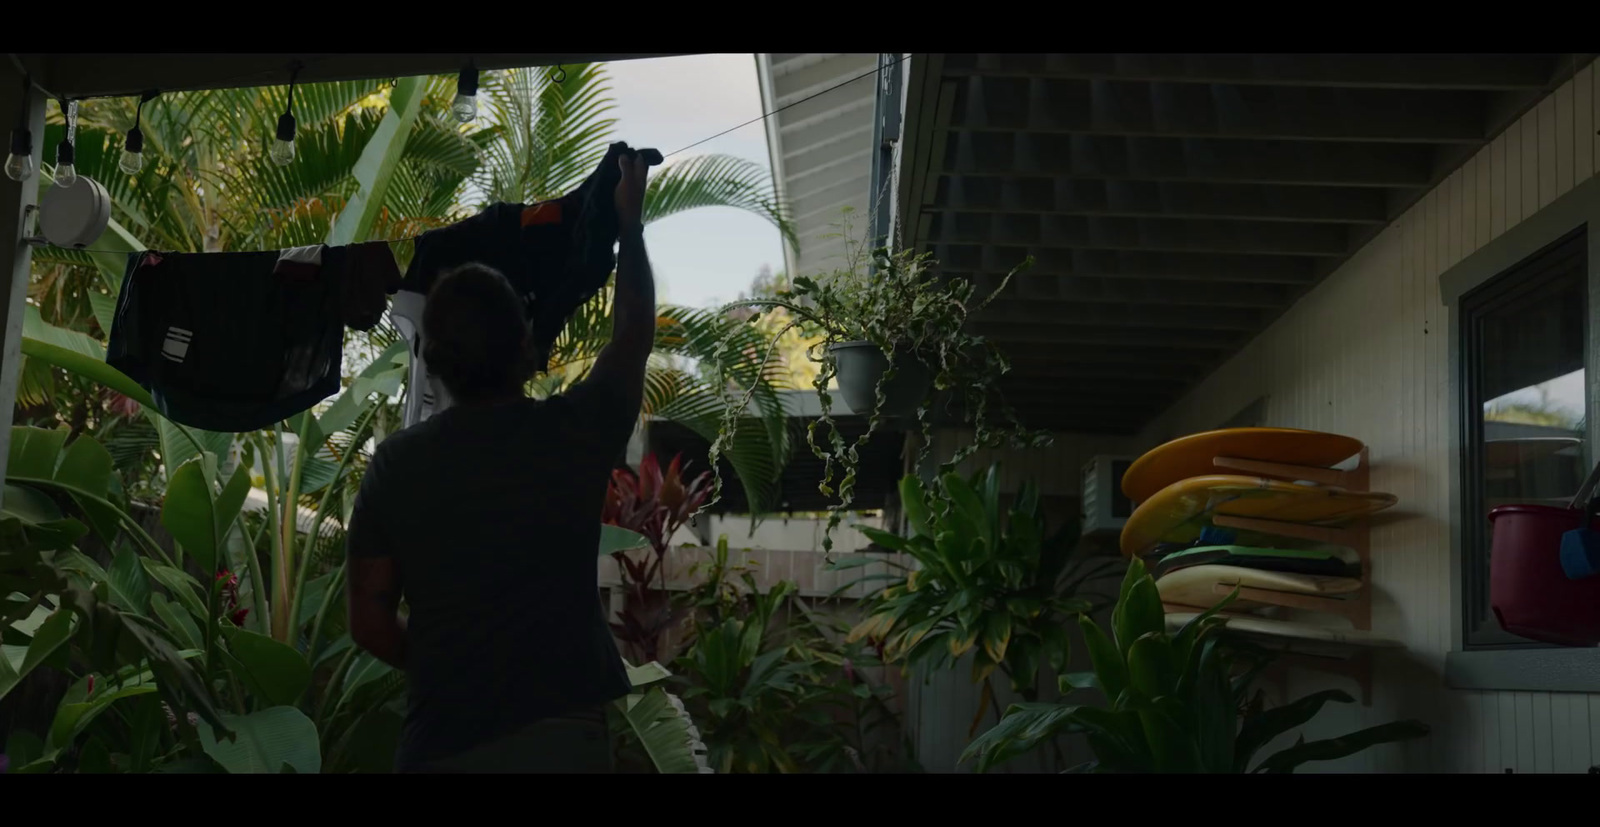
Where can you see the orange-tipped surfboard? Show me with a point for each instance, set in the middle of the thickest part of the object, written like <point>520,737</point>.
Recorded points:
<point>1177,513</point>
<point>1192,455</point>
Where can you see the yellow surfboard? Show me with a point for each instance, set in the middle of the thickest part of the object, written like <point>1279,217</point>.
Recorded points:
<point>1196,585</point>
<point>1177,513</point>
<point>1191,456</point>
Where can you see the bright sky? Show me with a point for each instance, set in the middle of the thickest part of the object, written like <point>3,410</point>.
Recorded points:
<point>705,256</point>
<point>1563,394</point>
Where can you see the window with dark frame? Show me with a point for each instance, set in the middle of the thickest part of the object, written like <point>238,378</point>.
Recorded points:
<point>1524,336</point>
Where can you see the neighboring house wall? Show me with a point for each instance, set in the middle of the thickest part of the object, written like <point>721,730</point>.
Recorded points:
<point>1366,354</point>
<point>820,148</point>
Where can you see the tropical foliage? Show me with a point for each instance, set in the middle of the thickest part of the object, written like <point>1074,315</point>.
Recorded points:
<point>792,344</point>
<point>895,302</point>
<point>167,673</point>
<point>373,161</point>
<point>776,686</point>
<point>1175,702</point>
<point>654,504</point>
<point>980,580</point>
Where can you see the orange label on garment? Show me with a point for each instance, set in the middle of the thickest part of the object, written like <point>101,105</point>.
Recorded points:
<point>547,213</point>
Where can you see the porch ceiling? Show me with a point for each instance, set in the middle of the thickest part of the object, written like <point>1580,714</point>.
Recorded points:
<point>1175,205</point>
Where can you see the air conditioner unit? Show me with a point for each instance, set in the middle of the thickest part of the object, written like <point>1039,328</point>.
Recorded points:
<point>1105,507</point>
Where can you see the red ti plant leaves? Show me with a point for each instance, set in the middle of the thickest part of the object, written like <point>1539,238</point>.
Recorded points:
<point>655,504</point>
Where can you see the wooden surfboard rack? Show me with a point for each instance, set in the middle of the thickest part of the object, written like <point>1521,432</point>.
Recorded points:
<point>1355,535</point>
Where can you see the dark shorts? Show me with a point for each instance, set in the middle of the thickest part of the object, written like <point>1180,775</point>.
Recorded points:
<point>578,742</point>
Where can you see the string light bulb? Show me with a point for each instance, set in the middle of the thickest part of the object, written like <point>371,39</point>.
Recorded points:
<point>19,164</point>
<point>465,105</point>
<point>132,159</point>
<point>66,173</point>
<point>282,151</point>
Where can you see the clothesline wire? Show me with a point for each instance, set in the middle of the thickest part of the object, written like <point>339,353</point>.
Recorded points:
<point>762,117</point>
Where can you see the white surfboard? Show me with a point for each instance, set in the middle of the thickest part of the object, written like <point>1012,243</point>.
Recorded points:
<point>1196,585</point>
<point>1267,628</point>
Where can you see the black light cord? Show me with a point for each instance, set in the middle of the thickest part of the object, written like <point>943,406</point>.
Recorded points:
<point>21,136</point>
<point>294,76</point>
<point>64,150</point>
<point>134,142</point>
<point>27,91</point>
<point>286,120</point>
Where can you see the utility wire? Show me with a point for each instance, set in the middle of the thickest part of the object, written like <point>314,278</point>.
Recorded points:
<point>786,106</point>
<point>762,117</point>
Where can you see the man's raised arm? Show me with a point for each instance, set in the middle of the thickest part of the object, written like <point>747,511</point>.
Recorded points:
<point>621,363</point>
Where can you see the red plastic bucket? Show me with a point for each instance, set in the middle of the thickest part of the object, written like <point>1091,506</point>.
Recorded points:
<point>1529,592</point>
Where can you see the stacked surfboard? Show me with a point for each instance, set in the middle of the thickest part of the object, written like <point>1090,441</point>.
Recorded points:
<point>1255,509</point>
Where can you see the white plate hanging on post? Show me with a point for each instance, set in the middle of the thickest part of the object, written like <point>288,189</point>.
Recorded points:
<point>75,216</point>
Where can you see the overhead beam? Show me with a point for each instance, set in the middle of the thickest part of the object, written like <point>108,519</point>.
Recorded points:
<point>1087,407</point>
<point>1049,291</point>
<point>1502,110</point>
<point>1109,384</point>
<point>1016,335</point>
<point>1067,421</point>
<point>1190,159</point>
<point>1373,71</point>
<point>1159,317</point>
<point>1091,401</point>
<point>1000,259</point>
<point>1160,199</point>
<point>1189,110</point>
<point>1141,358</point>
<point>1149,371</point>
<point>1152,234</point>
<point>88,75</point>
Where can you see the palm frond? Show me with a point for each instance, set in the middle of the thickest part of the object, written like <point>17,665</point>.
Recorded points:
<point>552,135</point>
<point>36,384</point>
<point>716,181</point>
<point>133,442</point>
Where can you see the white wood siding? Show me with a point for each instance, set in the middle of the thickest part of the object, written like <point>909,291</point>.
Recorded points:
<point>1365,354</point>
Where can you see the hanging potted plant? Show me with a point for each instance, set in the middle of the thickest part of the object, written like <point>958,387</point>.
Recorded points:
<point>894,336</point>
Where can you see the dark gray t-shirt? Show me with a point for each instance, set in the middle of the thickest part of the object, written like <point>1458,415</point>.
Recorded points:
<point>493,515</point>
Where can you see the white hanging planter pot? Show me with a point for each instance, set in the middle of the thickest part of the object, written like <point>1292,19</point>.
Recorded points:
<point>74,217</point>
<point>862,364</point>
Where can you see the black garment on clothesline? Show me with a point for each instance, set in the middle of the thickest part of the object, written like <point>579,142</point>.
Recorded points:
<point>557,254</point>
<point>224,344</point>
<point>235,342</point>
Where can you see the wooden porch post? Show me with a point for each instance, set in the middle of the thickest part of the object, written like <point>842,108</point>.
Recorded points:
<point>18,257</point>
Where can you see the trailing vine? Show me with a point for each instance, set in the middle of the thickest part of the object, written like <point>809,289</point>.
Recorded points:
<point>903,308</point>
